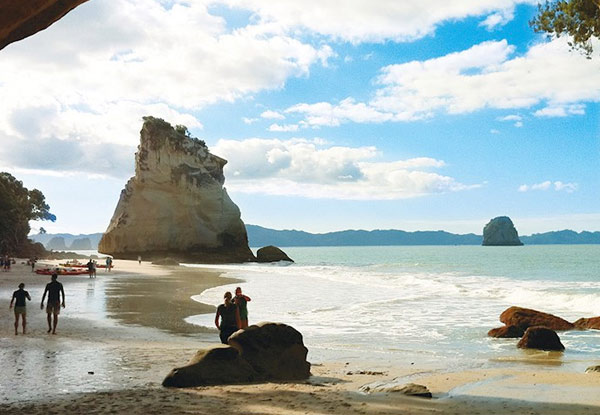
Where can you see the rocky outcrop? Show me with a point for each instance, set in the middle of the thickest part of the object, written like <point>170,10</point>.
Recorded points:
<point>541,338</point>
<point>588,323</point>
<point>525,317</point>
<point>176,206</point>
<point>593,369</point>
<point>20,19</point>
<point>219,366</point>
<point>57,244</point>
<point>500,231</point>
<point>81,244</point>
<point>276,351</point>
<point>264,352</point>
<point>271,254</point>
<point>506,332</point>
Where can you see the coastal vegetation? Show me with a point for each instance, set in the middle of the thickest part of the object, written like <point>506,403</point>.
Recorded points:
<point>18,206</point>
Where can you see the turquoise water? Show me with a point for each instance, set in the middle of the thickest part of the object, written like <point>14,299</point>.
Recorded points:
<point>432,304</point>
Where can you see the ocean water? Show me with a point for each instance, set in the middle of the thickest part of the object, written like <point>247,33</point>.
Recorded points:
<point>422,304</point>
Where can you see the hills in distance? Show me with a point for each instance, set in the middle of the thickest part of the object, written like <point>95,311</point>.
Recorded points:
<point>259,236</point>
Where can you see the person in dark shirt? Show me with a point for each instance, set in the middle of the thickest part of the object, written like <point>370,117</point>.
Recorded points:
<point>230,318</point>
<point>241,301</point>
<point>20,310</point>
<point>54,289</point>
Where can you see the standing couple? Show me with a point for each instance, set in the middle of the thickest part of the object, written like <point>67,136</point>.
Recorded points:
<point>233,314</point>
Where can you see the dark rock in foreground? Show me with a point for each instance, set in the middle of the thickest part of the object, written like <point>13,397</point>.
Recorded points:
<point>541,338</point>
<point>525,317</point>
<point>500,231</point>
<point>218,366</point>
<point>264,352</point>
<point>276,351</point>
<point>506,332</point>
<point>412,389</point>
<point>271,254</point>
<point>593,369</point>
<point>588,323</point>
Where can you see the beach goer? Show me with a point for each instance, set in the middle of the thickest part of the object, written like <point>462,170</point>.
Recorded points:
<point>108,263</point>
<point>32,261</point>
<point>229,318</point>
<point>90,267</point>
<point>94,267</point>
<point>241,301</point>
<point>20,310</point>
<point>140,259</point>
<point>54,289</point>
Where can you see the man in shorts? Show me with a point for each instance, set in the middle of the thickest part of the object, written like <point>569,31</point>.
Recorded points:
<point>54,289</point>
<point>20,295</point>
<point>241,301</point>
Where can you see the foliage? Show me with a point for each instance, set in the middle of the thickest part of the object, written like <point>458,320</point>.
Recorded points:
<point>579,19</point>
<point>18,206</point>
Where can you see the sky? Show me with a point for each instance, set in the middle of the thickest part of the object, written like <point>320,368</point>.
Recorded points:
<point>362,114</point>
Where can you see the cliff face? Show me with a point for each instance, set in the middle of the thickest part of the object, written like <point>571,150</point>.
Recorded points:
<point>176,205</point>
<point>500,231</point>
<point>22,18</point>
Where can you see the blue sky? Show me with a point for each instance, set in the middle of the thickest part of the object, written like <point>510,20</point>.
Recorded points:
<point>378,115</point>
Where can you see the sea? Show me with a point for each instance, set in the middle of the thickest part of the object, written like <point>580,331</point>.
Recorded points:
<point>425,305</point>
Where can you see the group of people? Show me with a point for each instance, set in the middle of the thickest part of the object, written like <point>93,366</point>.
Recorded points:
<point>6,262</point>
<point>54,290</point>
<point>91,266</point>
<point>232,315</point>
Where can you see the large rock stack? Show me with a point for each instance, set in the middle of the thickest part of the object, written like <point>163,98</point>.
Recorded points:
<point>176,206</point>
<point>500,231</point>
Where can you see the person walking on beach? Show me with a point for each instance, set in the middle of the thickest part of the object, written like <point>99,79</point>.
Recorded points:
<point>241,301</point>
<point>90,267</point>
<point>54,289</point>
<point>20,295</point>
<point>230,318</point>
<point>108,263</point>
<point>140,259</point>
<point>94,267</point>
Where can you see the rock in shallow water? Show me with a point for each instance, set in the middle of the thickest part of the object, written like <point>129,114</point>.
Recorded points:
<point>271,254</point>
<point>541,338</point>
<point>588,323</point>
<point>526,317</point>
<point>506,332</point>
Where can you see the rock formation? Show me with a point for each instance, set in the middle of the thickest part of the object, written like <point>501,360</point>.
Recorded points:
<point>81,244</point>
<point>500,231</point>
<point>525,317</point>
<point>57,244</point>
<point>541,338</point>
<point>588,323</point>
<point>271,254</point>
<point>176,206</point>
<point>263,352</point>
<point>507,332</point>
<point>20,19</point>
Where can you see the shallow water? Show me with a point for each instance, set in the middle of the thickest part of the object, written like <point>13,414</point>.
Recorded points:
<point>432,304</point>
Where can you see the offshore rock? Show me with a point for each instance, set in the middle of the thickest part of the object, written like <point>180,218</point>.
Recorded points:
<point>541,338</point>
<point>20,19</point>
<point>588,323</point>
<point>176,206</point>
<point>526,317</point>
<point>506,332</point>
<point>271,254</point>
<point>500,231</point>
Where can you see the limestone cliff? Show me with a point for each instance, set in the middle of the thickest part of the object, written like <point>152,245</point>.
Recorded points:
<point>22,18</point>
<point>176,205</point>
<point>500,231</point>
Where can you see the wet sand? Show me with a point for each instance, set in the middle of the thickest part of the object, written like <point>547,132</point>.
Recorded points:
<point>122,333</point>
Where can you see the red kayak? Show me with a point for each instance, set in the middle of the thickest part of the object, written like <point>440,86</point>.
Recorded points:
<point>61,271</point>
<point>82,265</point>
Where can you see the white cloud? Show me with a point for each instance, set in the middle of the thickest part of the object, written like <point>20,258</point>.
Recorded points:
<point>560,111</point>
<point>283,128</point>
<point>365,21</point>
<point>512,117</point>
<point>91,76</point>
<point>486,75</point>
<point>311,168</point>
<point>518,124</point>
<point>272,115</point>
<point>548,185</point>
<point>249,120</point>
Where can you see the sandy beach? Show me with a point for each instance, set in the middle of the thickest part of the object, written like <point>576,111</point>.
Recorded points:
<point>121,333</point>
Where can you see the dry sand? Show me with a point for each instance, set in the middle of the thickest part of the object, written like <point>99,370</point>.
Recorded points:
<point>121,333</point>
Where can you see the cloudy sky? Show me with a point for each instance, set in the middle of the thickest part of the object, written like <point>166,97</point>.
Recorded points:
<point>429,114</point>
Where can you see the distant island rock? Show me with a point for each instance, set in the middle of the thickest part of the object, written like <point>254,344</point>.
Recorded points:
<point>81,244</point>
<point>500,231</point>
<point>176,206</point>
<point>56,244</point>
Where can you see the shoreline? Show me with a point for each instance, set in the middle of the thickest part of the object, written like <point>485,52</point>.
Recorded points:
<point>122,333</point>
